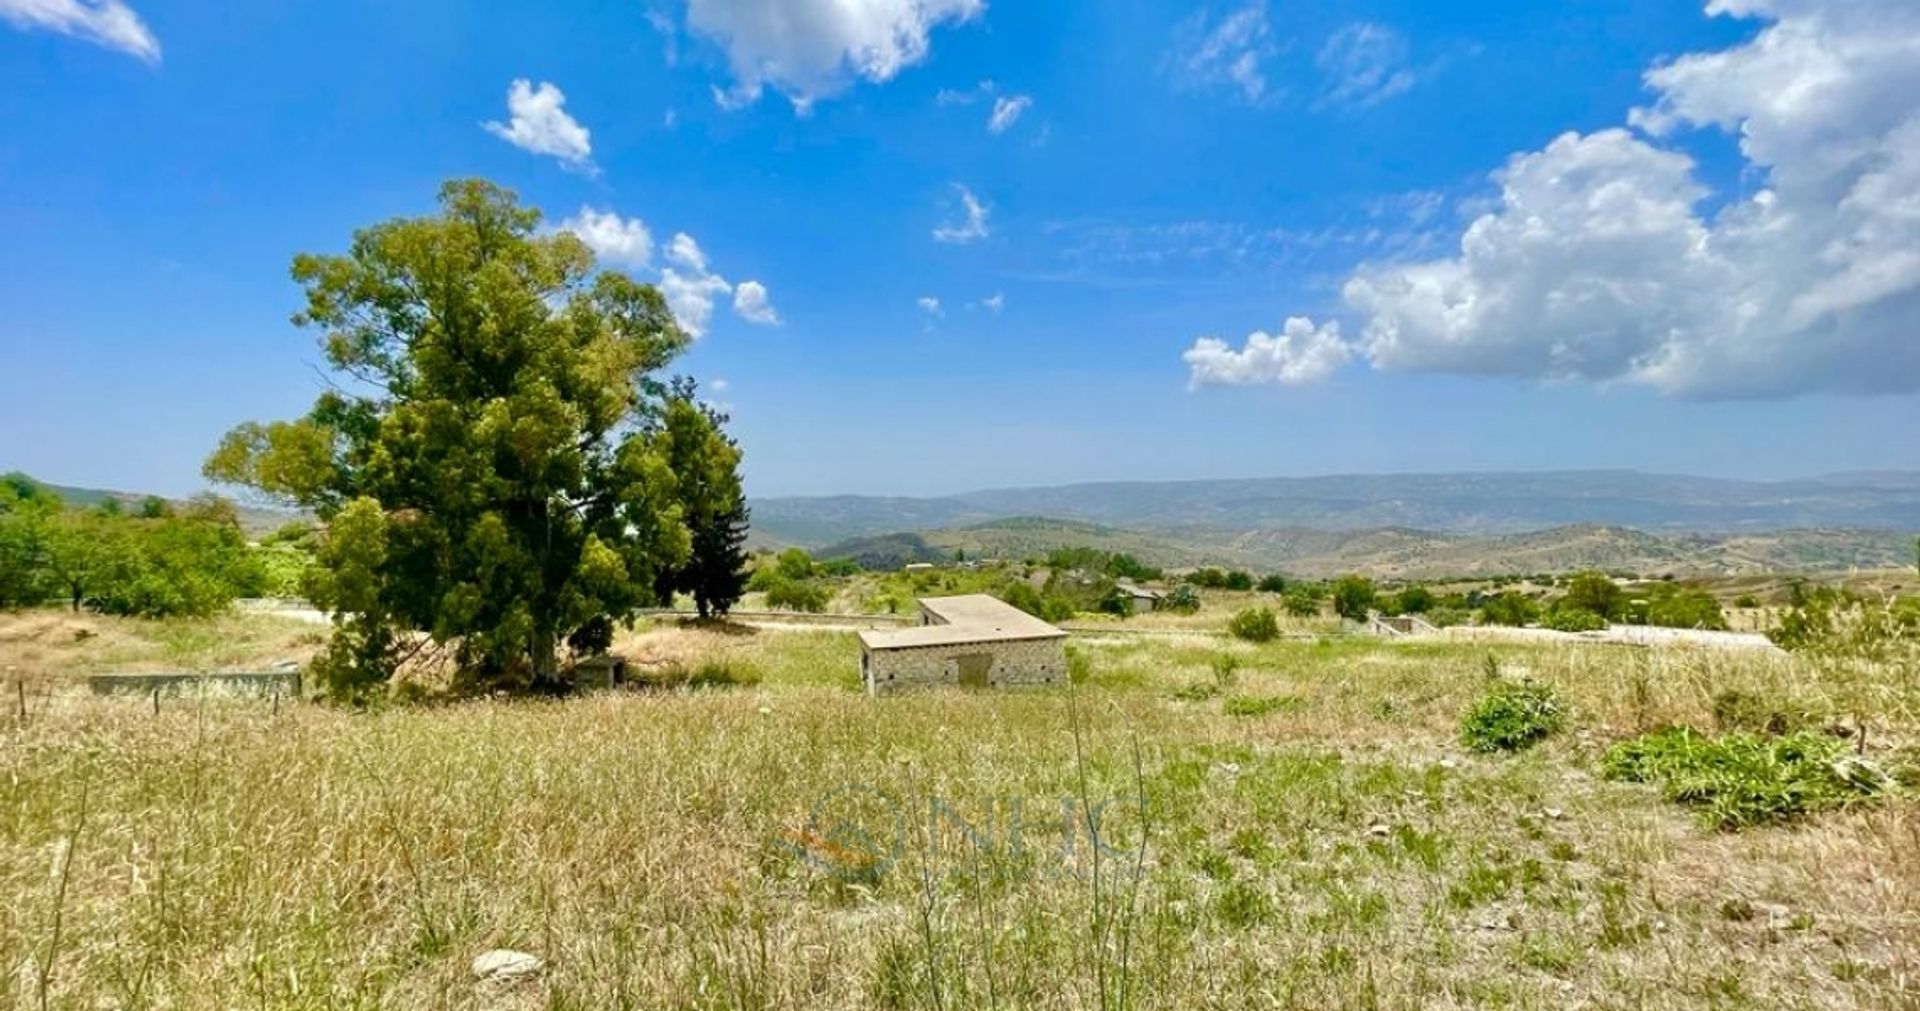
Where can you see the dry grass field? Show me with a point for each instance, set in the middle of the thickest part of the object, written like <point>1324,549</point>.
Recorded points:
<point>1313,836</point>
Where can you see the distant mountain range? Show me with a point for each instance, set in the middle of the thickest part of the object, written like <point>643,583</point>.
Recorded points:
<point>1402,553</point>
<point>1477,504</point>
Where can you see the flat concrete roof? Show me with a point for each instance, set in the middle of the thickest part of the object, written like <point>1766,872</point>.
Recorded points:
<point>975,617</point>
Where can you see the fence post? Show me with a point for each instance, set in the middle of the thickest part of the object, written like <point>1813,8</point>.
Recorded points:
<point>20,692</point>
<point>156,700</point>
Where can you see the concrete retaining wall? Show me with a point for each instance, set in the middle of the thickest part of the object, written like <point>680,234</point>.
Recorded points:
<point>261,683</point>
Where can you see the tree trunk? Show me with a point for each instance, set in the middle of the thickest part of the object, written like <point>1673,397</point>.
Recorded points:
<point>545,663</point>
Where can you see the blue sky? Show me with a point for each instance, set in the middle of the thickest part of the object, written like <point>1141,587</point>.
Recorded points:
<point>1512,235</point>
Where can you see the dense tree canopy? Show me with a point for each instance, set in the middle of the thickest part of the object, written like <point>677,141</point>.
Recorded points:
<point>490,463</point>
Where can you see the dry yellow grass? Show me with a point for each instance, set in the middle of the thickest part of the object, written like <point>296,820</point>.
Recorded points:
<point>801,845</point>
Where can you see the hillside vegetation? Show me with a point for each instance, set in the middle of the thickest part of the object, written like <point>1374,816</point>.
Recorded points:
<point>1402,553</point>
<point>1487,503</point>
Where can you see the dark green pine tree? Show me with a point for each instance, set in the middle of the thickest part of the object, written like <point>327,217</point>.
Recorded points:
<point>705,462</point>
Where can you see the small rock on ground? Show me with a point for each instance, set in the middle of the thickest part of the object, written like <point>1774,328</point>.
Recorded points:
<point>502,965</point>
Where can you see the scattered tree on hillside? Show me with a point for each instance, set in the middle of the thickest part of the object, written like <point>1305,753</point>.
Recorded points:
<point>1509,607</point>
<point>1596,594</point>
<point>490,466</point>
<point>1353,597</point>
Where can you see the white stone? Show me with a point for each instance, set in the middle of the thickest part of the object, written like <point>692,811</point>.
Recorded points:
<point>502,965</point>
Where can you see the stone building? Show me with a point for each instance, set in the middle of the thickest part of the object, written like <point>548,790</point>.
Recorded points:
<point>974,640</point>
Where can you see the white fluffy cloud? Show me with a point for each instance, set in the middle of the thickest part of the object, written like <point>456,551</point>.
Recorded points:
<point>1303,353</point>
<point>1230,52</point>
<point>1365,64</point>
<point>537,121</point>
<point>973,222</point>
<point>929,305</point>
<point>690,284</point>
<point>1600,263</point>
<point>109,23</point>
<point>1006,112</point>
<point>811,49</point>
<point>751,303</point>
<point>614,239</point>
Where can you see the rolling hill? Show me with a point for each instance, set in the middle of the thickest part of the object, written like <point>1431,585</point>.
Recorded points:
<point>1404,553</point>
<point>1483,504</point>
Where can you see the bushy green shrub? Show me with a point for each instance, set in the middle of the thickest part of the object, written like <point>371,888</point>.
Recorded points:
<point>796,595</point>
<point>1210,579</point>
<point>1238,580</point>
<point>1274,583</point>
<point>1353,597</point>
<point>1255,624</point>
<point>1301,602</point>
<point>1573,619</point>
<point>1182,599</point>
<point>1045,606</point>
<point>1512,716</point>
<point>1740,780</point>
<point>1595,593</point>
<point>1509,607</point>
<point>1669,606</point>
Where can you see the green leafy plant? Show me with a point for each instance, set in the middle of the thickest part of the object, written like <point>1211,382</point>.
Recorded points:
<point>1182,599</point>
<point>1740,780</point>
<point>1513,715</point>
<point>1255,624</point>
<point>1573,619</point>
<point>797,595</point>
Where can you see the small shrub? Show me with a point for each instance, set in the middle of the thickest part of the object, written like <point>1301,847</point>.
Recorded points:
<point>1574,619</point>
<point>1510,607</point>
<point>1258,705</point>
<point>1740,780</point>
<point>1226,669</point>
<point>1182,599</point>
<point>1512,716</point>
<point>1255,624</point>
<point>1301,603</point>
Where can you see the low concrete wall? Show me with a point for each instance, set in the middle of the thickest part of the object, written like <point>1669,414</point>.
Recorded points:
<point>987,664</point>
<point>260,683</point>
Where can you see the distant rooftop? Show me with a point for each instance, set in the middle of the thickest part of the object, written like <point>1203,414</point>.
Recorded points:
<point>974,617</point>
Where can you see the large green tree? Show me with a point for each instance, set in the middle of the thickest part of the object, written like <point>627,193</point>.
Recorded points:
<point>706,467</point>
<point>488,462</point>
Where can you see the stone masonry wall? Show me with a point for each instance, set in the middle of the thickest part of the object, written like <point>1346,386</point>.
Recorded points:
<point>1018,662</point>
